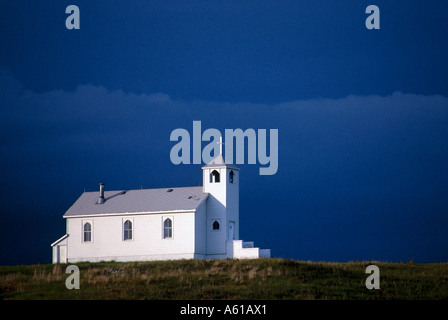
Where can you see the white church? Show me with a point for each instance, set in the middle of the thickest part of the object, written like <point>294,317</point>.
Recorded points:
<point>158,224</point>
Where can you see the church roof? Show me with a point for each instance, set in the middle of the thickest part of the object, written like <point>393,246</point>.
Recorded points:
<point>138,201</point>
<point>218,161</point>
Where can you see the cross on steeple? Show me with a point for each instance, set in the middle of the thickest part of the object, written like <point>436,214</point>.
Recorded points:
<point>220,144</point>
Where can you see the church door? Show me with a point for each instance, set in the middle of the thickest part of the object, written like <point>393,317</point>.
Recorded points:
<point>231,234</point>
<point>62,254</point>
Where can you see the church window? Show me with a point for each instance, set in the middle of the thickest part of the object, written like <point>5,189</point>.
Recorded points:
<point>167,228</point>
<point>231,176</point>
<point>127,230</point>
<point>214,176</point>
<point>216,225</point>
<point>87,232</point>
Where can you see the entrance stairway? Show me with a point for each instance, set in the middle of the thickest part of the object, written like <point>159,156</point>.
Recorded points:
<point>238,249</point>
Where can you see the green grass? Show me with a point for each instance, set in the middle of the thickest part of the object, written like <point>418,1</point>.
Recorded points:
<point>226,279</point>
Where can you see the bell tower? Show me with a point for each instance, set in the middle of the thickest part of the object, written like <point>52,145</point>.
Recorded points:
<point>221,181</point>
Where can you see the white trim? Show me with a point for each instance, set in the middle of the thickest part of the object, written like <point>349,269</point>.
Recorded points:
<point>214,166</point>
<point>59,240</point>
<point>128,213</point>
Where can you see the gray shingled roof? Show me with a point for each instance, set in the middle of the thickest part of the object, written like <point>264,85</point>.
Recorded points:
<point>218,161</point>
<point>145,200</point>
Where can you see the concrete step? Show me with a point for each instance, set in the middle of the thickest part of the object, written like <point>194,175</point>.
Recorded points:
<point>238,249</point>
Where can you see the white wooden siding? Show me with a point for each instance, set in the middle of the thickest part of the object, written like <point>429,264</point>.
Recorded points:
<point>147,238</point>
<point>233,201</point>
<point>200,237</point>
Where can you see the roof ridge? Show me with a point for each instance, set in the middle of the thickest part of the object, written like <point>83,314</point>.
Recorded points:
<point>127,190</point>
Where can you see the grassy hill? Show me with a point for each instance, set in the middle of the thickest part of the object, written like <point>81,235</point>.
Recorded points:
<point>226,279</point>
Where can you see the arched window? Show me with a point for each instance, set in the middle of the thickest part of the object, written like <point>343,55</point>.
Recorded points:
<point>87,232</point>
<point>167,228</point>
<point>214,176</point>
<point>127,230</point>
<point>231,176</point>
<point>216,225</point>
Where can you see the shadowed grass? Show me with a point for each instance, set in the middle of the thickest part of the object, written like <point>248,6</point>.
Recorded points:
<point>226,279</point>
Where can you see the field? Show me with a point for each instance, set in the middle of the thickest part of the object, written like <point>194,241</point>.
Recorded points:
<point>264,279</point>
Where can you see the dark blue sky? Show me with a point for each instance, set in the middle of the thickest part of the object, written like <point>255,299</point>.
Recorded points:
<point>362,117</point>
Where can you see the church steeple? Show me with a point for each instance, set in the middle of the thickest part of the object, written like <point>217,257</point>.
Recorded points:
<point>219,161</point>
<point>217,171</point>
<point>221,182</point>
